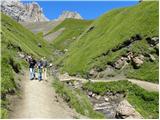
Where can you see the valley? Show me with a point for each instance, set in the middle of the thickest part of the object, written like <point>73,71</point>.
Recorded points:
<point>102,68</point>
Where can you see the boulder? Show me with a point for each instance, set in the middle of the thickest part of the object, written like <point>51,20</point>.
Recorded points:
<point>153,41</point>
<point>120,63</point>
<point>93,73</point>
<point>152,58</point>
<point>126,110</point>
<point>97,97</point>
<point>138,61</point>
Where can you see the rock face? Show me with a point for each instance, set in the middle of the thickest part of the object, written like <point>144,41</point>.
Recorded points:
<point>69,14</point>
<point>30,12</point>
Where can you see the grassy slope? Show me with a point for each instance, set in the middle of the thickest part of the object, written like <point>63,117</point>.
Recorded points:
<point>72,28</point>
<point>146,103</point>
<point>14,36</point>
<point>110,30</point>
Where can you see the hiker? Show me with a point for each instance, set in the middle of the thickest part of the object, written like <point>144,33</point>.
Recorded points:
<point>39,66</point>
<point>32,63</point>
<point>45,64</point>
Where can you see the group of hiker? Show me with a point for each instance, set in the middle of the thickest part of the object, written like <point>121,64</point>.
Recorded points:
<point>36,68</point>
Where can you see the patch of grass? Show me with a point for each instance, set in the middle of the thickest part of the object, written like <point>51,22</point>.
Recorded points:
<point>77,100</point>
<point>149,71</point>
<point>146,103</point>
<point>4,113</point>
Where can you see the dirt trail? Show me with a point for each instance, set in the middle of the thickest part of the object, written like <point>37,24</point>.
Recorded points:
<point>144,84</point>
<point>39,100</point>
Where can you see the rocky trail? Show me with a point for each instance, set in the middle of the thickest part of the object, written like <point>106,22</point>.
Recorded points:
<point>39,100</point>
<point>144,84</point>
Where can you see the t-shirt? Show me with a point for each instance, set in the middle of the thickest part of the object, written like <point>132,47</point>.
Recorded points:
<point>32,63</point>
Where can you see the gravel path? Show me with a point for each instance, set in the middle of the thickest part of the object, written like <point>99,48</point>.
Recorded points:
<point>39,100</point>
<point>144,84</point>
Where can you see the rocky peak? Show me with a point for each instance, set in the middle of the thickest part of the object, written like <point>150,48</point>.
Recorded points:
<point>30,12</point>
<point>69,14</point>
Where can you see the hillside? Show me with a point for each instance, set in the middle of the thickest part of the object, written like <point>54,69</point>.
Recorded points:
<point>16,42</point>
<point>112,37</point>
<point>72,29</point>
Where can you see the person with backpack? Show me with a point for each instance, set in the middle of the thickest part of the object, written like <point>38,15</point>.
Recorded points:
<point>32,64</point>
<point>45,64</point>
<point>40,67</point>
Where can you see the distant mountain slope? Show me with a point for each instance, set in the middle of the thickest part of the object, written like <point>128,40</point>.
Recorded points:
<point>69,14</point>
<point>72,29</point>
<point>114,35</point>
<point>43,27</point>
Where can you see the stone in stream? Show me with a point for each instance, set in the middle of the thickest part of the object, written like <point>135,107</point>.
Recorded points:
<point>90,93</point>
<point>125,110</point>
<point>106,99</point>
<point>97,97</point>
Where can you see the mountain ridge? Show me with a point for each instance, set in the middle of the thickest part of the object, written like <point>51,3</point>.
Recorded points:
<point>30,12</point>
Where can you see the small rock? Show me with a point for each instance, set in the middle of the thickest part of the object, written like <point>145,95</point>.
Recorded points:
<point>152,58</point>
<point>93,73</point>
<point>93,95</point>
<point>97,97</point>
<point>65,50</point>
<point>90,93</point>
<point>106,99</point>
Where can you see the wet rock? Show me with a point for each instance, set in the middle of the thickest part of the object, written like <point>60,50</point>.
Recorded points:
<point>106,99</point>
<point>90,93</point>
<point>102,106</point>
<point>93,95</point>
<point>97,97</point>
<point>125,110</point>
